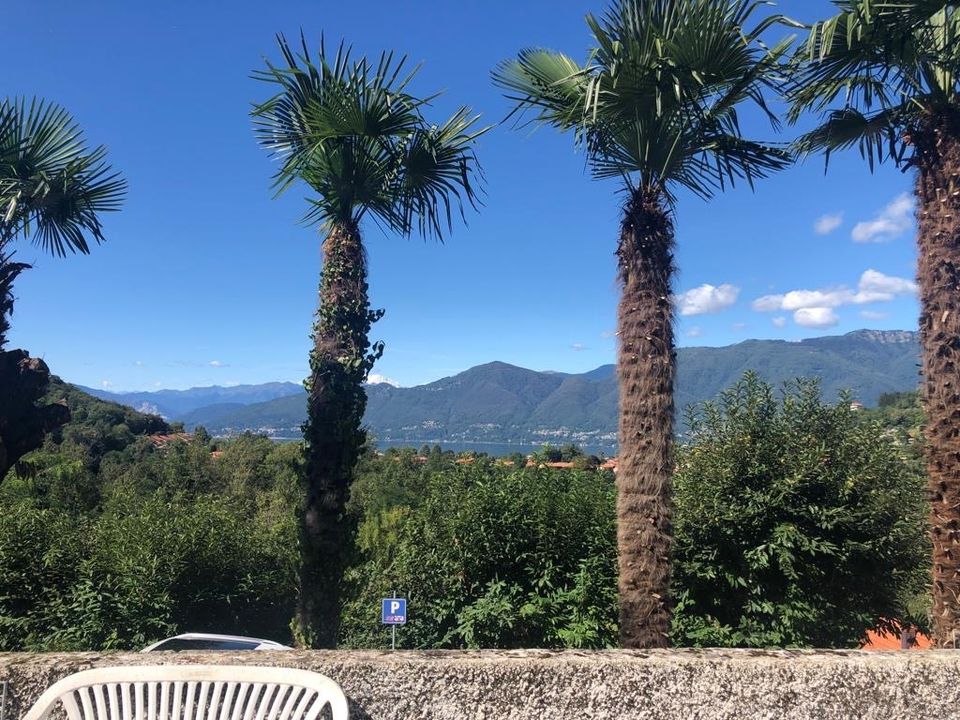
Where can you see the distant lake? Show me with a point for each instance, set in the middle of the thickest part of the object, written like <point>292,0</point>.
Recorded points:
<point>492,449</point>
<point>495,449</point>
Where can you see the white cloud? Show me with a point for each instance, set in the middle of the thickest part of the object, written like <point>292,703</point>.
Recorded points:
<point>873,286</point>
<point>877,282</point>
<point>779,321</point>
<point>815,317</point>
<point>797,299</point>
<point>892,222</point>
<point>768,303</point>
<point>106,384</point>
<point>217,364</point>
<point>578,347</point>
<point>375,378</point>
<point>707,299</point>
<point>826,224</point>
<point>138,363</point>
<point>873,315</point>
<point>695,332</point>
<point>739,326</point>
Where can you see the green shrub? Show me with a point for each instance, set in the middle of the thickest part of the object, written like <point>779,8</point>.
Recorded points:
<point>797,523</point>
<point>488,558</point>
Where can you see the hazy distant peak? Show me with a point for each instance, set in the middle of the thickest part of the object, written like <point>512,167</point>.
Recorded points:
<point>886,336</point>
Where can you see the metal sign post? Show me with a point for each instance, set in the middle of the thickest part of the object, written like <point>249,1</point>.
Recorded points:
<point>393,612</point>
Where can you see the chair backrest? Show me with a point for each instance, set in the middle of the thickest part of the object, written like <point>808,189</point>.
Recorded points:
<point>193,692</point>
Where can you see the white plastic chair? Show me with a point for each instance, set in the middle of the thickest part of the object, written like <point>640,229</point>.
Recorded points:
<point>192,692</point>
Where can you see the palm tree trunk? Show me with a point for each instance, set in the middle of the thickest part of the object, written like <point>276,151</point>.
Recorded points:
<point>9,271</point>
<point>645,367</point>
<point>937,146</point>
<point>339,363</point>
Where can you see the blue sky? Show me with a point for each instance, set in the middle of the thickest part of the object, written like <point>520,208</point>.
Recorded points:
<point>205,279</point>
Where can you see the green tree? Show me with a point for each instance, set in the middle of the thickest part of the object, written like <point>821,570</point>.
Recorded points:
<point>884,74</point>
<point>798,523</point>
<point>655,106</point>
<point>354,134</point>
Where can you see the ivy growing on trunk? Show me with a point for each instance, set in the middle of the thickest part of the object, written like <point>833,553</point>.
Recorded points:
<point>350,130</point>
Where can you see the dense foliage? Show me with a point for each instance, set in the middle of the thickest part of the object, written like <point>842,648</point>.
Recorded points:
<point>111,540</point>
<point>798,523</point>
<point>488,555</point>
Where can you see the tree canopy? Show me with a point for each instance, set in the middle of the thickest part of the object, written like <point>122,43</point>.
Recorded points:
<point>656,102</point>
<point>876,70</point>
<point>354,133</point>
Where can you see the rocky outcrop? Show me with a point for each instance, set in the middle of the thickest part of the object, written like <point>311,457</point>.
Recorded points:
<point>24,423</point>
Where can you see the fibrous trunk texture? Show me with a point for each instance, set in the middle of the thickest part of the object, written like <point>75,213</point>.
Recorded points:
<point>339,363</point>
<point>645,368</point>
<point>937,145</point>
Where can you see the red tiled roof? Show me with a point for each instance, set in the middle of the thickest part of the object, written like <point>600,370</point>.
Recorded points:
<point>877,640</point>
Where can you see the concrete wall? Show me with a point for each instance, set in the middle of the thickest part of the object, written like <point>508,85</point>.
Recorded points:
<point>545,685</point>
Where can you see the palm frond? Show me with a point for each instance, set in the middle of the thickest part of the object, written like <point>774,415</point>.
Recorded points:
<point>52,187</point>
<point>660,88</point>
<point>353,133</point>
<point>437,165</point>
<point>549,83</point>
<point>877,135</point>
<point>873,71</point>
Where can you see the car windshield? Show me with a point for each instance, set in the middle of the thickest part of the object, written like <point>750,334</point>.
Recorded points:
<point>206,644</point>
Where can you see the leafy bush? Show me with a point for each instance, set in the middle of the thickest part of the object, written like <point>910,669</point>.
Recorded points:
<point>797,523</point>
<point>115,548</point>
<point>488,557</point>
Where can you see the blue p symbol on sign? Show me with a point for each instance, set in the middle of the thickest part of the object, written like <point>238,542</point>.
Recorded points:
<point>393,611</point>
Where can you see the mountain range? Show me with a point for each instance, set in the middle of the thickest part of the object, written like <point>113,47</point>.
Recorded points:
<point>501,403</point>
<point>177,404</point>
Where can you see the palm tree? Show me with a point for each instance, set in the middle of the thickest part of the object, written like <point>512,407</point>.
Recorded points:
<point>351,131</point>
<point>884,75</point>
<point>655,106</point>
<point>52,188</point>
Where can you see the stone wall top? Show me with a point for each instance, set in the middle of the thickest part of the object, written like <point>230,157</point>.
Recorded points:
<point>541,684</point>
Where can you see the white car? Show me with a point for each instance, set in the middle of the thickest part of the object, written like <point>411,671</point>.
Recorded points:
<point>206,641</point>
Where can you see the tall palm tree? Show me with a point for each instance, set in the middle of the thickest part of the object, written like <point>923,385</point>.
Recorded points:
<point>884,74</point>
<point>655,107</point>
<point>52,188</point>
<point>353,133</point>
